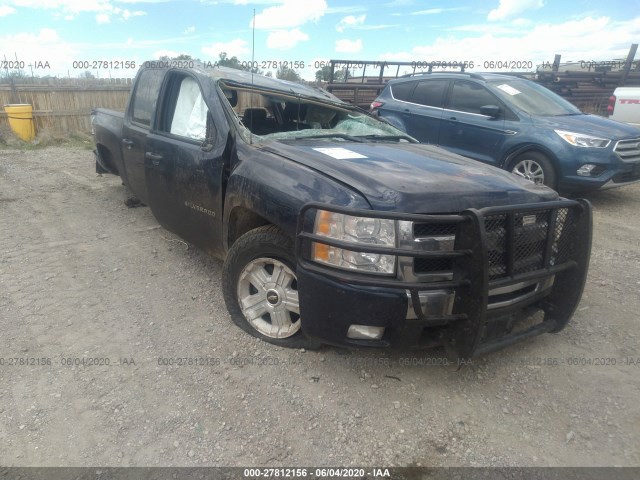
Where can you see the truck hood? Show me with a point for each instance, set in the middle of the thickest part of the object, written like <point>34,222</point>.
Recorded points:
<point>412,178</point>
<point>590,125</point>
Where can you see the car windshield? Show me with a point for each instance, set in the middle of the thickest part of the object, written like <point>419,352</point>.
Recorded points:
<point>533,98</point>
<point>279,116</point>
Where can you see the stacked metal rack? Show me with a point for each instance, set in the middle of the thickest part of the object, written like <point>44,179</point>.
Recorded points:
<point>589,84</point>
<point>586,84</point>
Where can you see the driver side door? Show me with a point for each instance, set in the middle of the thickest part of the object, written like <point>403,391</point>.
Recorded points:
<point>184,164</point>
<point>465,130</point>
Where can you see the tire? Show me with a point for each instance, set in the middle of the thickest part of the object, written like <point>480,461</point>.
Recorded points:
<point>260,288</point>
<point>536,167</point>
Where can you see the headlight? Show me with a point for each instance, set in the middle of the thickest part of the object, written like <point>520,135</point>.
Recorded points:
<point>581,140</point>
<point>359,231</point>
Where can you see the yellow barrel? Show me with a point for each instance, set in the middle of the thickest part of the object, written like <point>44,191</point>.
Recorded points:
<point>21,120</point>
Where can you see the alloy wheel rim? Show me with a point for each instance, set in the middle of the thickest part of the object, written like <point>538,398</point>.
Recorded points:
<point>531,170</point>
<point>268,298</point>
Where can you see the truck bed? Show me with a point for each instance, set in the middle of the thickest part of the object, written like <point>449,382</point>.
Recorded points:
<point>107,127</point>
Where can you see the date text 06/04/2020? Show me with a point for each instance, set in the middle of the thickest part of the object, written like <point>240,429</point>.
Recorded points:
<point>325,472</point>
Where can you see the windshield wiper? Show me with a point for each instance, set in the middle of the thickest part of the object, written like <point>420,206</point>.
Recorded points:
<point>332,135</point>
<point>389,137</point>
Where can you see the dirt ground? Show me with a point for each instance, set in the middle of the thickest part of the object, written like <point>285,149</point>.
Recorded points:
<point>84,279</point>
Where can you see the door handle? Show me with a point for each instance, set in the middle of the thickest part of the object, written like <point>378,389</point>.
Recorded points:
<point>453,119</point>
<point>154,157</point>
<point>128,143</point>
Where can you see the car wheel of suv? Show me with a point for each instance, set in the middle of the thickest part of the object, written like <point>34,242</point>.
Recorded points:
<point>536,167</point>
<point>260,288</point>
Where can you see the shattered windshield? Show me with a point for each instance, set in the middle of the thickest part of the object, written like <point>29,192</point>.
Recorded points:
<point>276,116</point>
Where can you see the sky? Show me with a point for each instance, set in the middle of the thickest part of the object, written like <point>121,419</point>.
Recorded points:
<point>111,38</point>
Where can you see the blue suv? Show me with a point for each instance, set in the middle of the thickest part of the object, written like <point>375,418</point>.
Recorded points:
<point>515,124</point>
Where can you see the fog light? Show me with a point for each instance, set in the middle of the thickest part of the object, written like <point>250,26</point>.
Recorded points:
<point>364,332</point>
<point>586,169</point>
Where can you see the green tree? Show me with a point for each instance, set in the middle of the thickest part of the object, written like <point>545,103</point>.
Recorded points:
<point>323,74</point>
<point>13,74</point>
<point>286,73</point>
<point>233,62</point>
<point>182,56</point>
<point>341,75</point>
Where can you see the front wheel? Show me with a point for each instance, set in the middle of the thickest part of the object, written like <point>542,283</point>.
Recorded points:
<point>536,167</point>
<point>260,288</point>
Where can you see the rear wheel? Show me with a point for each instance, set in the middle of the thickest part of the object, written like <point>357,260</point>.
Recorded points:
<point>261,288</point>
<point>536,167</point>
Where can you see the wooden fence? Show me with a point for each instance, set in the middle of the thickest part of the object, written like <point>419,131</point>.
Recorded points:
<point>64,105</point>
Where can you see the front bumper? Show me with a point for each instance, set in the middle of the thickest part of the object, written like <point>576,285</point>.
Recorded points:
<point>617,166</point>
<point>504,265</point>
<point>619,175</point>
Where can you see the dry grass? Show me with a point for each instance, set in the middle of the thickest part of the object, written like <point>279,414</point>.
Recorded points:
<point>45,138</point>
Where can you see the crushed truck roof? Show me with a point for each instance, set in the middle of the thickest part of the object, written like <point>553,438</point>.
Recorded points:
<point>231,76</point>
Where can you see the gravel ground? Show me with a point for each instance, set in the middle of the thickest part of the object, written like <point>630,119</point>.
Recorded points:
<point>84,277</point>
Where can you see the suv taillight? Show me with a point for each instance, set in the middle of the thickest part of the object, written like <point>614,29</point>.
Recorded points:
<point>612,105</point>
<point>375,105</point>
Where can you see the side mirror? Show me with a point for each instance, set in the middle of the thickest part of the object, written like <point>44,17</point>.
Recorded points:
<point>492,111</point>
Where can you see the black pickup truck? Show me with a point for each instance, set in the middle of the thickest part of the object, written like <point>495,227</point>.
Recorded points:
<point>337,228</point>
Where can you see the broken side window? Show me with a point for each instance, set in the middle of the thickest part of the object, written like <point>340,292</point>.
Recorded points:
<point>190,115</point>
